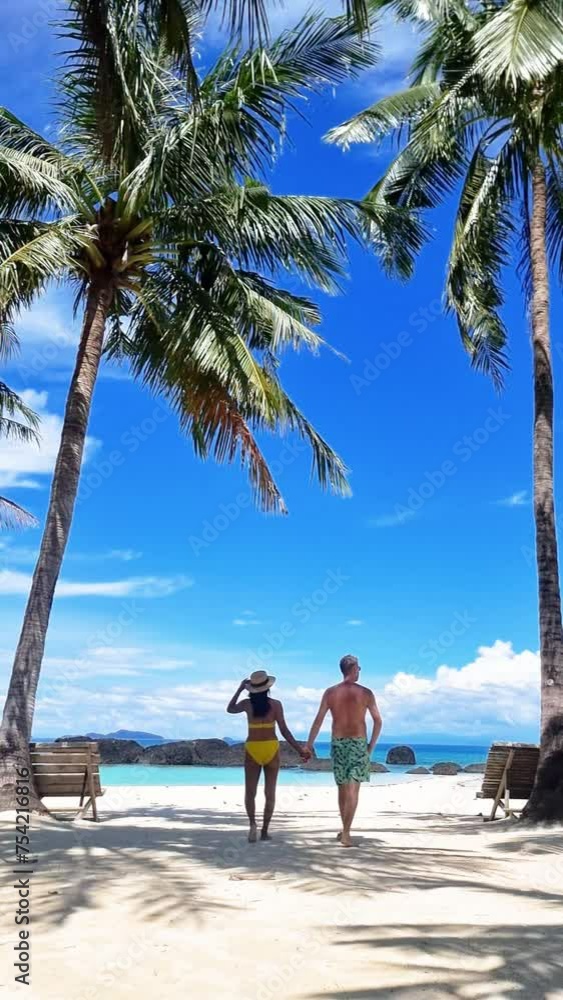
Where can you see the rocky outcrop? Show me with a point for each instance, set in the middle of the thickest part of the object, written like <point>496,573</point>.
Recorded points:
<point>193,753</point>
<point>111,751</point>
<point>318,764</point>
<point>217,753</point>
<point>289,757</point>
<point>418,770</point>
<point>446,767</point>
<point>378,768</point>
<point>401,755</point>
<point>179,752</point>
<point>475,768</point>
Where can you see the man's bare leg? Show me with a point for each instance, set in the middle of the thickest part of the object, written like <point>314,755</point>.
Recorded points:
<point>271,772</point>
<point>251,779</point>
<point>351,796</point>
<point>342,800</point>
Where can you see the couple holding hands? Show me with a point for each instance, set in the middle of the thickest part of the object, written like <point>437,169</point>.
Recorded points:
<point>348,703</point>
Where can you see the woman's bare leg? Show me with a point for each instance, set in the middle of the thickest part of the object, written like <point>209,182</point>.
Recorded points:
<point>251,779</point>
<point>271,772</point>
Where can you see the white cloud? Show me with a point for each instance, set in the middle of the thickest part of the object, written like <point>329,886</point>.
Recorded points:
<point>499,688</point>
<point>113,661</point>
<point>393,520</point>
<point>126,555</point>
<point>177,711</point>
<point>518,499</point>
<point>27,554</point>
<point>354,621</point>
<point>44,323</point>
<point>246,618</point>
<point>13,582</point>
<point>495,696</point>
<point>49,334</point>
<point>21,463</point>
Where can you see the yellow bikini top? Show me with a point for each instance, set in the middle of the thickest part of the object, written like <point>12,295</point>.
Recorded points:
<point>261,725</point>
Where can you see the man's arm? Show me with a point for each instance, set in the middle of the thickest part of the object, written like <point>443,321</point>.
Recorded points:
<point>235,706</point>
<point>318,721</point>
<point>377,720</point>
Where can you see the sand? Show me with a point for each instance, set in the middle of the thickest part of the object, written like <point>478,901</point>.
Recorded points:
<point>165,898</point>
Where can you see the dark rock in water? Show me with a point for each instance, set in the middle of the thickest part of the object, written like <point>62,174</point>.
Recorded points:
<point>318,764</point>
<point>120,752</point>
<point>446,767</point>
<point>203,753</point>
<point>111,751</point>
<point>377,768</point>
<point>418,770</point>
<point>179,752</point>
<point>475,768</point>
<point>400,755</point>
<point>217,753</point>
<point>289,757</point>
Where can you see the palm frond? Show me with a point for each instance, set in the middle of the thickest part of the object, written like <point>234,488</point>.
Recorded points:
<point>251,16</point>
<point>245,99</point>
<point>395,233</point>
<point>327,467</point>
<point>34,176</point>
<point>13,407</point>
<point>12,516</point>
<point>386,116</point>
<point>522,41</point>
<point>32,254</point>
<point>554,234</point>
<point>480,249</point>
<point>173,24</point>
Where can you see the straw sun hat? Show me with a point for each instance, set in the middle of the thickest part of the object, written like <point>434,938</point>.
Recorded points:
<point>259,681</point>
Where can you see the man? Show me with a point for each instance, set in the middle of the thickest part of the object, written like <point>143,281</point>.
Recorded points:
<point>348,703</point>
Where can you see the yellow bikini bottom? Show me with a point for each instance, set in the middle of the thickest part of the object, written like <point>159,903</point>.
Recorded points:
<point>262,751</point>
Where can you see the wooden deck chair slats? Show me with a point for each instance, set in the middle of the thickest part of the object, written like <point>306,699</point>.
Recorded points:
<point>68,770</point>
<point>509,774</point>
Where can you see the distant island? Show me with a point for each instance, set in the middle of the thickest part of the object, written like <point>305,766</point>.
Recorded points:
<point>125,734</point>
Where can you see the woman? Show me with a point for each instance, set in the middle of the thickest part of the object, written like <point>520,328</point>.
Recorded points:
<point>262,746</point>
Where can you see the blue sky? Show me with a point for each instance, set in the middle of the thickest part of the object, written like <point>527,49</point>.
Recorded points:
<point>174,586</point>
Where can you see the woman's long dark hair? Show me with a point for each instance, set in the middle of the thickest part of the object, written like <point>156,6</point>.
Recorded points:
<point>260,703</point>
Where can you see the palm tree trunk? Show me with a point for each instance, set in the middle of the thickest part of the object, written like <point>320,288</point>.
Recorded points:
<point>15,729</point>
<point>546,802</point>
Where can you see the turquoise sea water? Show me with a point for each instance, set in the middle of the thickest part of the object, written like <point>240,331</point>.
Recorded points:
<point>426,755</point>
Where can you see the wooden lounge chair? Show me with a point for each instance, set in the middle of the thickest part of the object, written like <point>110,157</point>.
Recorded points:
<point>68,770</point>
<point>509,773</point>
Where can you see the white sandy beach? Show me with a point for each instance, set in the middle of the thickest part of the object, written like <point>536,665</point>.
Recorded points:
<point>166,898</point>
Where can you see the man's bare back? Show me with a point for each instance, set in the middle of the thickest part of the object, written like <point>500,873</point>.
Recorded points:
<point>348,704</point>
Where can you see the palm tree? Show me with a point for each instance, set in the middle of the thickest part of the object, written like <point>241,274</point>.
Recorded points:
<point>19,422</point>
<point>146,209</point>
<point>483,116</point>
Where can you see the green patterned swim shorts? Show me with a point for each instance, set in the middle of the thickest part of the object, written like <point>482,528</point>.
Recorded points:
<point>350,760</point>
